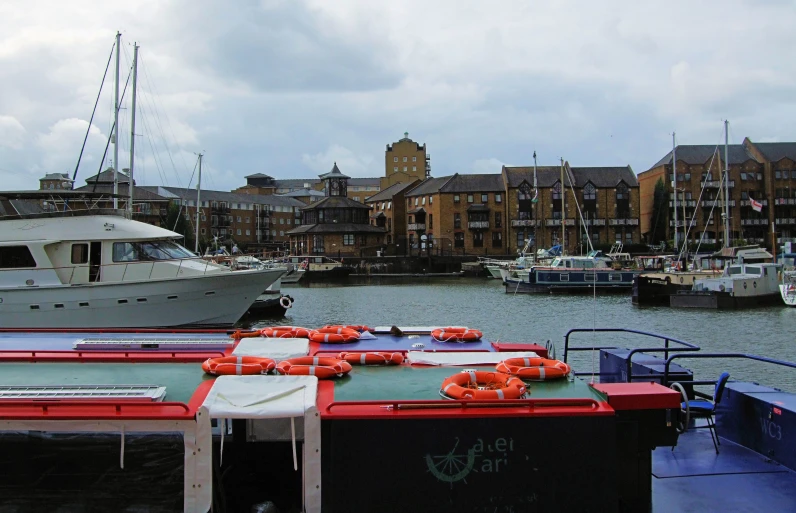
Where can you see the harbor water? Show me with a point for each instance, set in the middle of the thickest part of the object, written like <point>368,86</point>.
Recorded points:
<point>483,304</point>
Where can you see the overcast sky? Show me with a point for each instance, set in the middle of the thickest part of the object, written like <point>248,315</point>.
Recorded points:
<point>288,87</point>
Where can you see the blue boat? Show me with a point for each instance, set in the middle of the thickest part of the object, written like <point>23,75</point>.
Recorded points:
<point>103,420</point>
<point>570,274</point>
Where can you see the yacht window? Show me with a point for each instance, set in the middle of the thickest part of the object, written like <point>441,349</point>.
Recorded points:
<point>148,250</point>
<point>734,270</point>
<point>79,253</point>
<point>13,257</point>
<point>754,270</point>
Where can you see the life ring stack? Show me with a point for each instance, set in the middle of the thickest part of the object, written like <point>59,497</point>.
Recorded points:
<point>451,334</point>
<point>372,358</point>
<point>334,335</point>
<point>534,369</point>
<point>318,366</point>
<point>285,332</point>
<point>238,366</point>
<point>472,384</point>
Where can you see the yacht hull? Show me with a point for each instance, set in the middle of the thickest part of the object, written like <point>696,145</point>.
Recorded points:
<point>720,300</point>
<point>206,300</point>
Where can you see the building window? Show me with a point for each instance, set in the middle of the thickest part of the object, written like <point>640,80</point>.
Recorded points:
<point>248,219</point>
<point>282,233</point>
<point>478,239</point>
<point>743,176</point>
<point>203,231</point>
<point>389,205</point>
<point>238,218</point>
<point>498,197</point>
<point>744,195</point>
<point>404,168</point>
<point>458,239</point>
<point>589,192</point>
<point>456,198</point>
<point>317,243</point>
<point>414,159</point>
<point>469,198</point>
<point>356,198</point>
<point>524,192</point>
<point>557,191</point>
<point>431,221</point>
<point>417,201</point>
<point>484,198</point>
<point>628,237</point>
<point>498,220</point>
<point>204,217</point>
<point>405,159</point>
<point>497,240</point>
<point>395,159</point>
<point>424,200</point>
<point>248,232</point>
<point>238,231</point>
<point>457,220</point>
<point>348,239</point>
<point>281,220</point>
<point>395,169</point>
<point>520,239</point>
<point>414,168</point>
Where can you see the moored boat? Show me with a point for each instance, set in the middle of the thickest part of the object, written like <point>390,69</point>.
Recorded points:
<point>787,289</point>
<point>154,432</point>
<point>570,274</point>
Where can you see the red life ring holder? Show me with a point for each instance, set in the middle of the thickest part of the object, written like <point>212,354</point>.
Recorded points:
<point>483,385</point>
<point>285,332</point>
<point>456,335</point>
<point>238,366</point>
<point>372,358</point>
<point>537,369</point>
<point>318,366</point>
<point>333,335</point>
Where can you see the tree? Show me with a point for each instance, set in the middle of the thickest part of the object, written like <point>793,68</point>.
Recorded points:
<point>175,221</point>
<point>660,212</point>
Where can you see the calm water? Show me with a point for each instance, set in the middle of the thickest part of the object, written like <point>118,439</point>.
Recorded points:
<point>483,304</point>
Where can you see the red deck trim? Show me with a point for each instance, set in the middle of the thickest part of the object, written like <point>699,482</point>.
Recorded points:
<point>116,330</point>
<point>96,356</point>
<point>502,347</point>
<point>103,409</point>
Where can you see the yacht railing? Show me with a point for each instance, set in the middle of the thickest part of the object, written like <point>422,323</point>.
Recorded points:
<point>744,356</point>
<point>666,349</point>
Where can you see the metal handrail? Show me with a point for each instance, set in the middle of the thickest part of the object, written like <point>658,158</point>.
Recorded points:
<point>687,346</point>
<point>722,355</point>
<point>415,404</point>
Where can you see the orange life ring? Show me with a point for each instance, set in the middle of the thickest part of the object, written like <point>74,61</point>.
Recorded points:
<point>483,385</point>
<point>333,336</point>
<point>318,366</point>
<point>238,366</point>
<point>285,332</point>
<point>538,369</point>
<point>374,358</point>
<point>456,335</point>
<point>356,327</point>
<point>238,334</point>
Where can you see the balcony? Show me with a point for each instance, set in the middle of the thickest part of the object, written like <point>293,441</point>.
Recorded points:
<point>715,184</point>
<point>716,203</point>
<point>518,223</point>
<point>557,222</point>
<point>785,201</point>
<point>785,220</point>
<point>623,222</point>
<point>594,222</point>
<point>756,240</point>
<point>478,225</point>
<point>709,241</point>
<point>747,203</point>
<point>416,227</point>
<point>754,222</point>
<point>782,240</point>
<point>688,203</point>
<point>219,208</point>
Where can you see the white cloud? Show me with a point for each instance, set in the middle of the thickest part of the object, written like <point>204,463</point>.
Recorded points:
<point>59,148</point>
<point>12,133</point>
<point>491,165</point>
<point>347,161</point>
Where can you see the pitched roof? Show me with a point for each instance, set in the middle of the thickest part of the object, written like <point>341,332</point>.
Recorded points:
<point>297,182</point>
<point>492,182</point>
<point>139,193</point>
<point>364,181</point>
<point>702,153</point>
<point>258,175</point>
<point>337,228</point>
<point>230,197</point>
<point>777,151</point>
<point>334,173</point>
<point>547,176</point>
<point>336,202</point>
<point>390,192</point>
<point>56,176</point>
<point>107,176</point>
<point>428,186</point>
<point>300,193</point>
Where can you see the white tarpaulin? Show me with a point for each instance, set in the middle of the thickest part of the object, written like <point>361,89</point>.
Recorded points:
<point>464,358</point>
<point>275,348</point>
<point>275,397</point>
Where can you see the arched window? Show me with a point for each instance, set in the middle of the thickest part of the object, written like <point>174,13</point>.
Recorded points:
<point>524,192</point>
<point>557,191</point>
<point>622,192</point>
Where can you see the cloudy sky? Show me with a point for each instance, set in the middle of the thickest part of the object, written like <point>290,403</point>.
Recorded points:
<point>287,87</point>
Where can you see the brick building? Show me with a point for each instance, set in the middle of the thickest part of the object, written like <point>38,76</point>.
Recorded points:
<point>336,225</point>
<point>389,211</point>
<point>405,161</point>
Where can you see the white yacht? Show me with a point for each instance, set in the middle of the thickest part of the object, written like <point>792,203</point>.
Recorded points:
<point>82,270</point>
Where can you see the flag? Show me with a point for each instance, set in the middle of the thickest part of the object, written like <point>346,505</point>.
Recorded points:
<point>756,205</point>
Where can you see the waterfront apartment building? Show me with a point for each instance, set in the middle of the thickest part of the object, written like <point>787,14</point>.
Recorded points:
<point>404,162</point>
<point>389,211</point>
<point>762,174</point>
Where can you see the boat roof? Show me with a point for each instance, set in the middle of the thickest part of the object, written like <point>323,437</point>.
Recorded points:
<point>80,228</point>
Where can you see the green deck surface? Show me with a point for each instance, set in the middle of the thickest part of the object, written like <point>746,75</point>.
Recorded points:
<point>180,379</point>
<point>423,383</point>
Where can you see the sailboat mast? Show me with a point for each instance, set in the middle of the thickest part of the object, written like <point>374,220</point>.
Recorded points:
<point>563,213</point>
<point>674,186</point>
<point>534,205</point>
<point>198,204</point>
<point>116,126</point>
<point>726,183</point>
<point>132,130</point>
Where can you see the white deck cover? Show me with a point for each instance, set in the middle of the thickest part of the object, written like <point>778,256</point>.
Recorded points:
<point>464,357</point>
<point>275,397</point>
<point>275,348</point>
